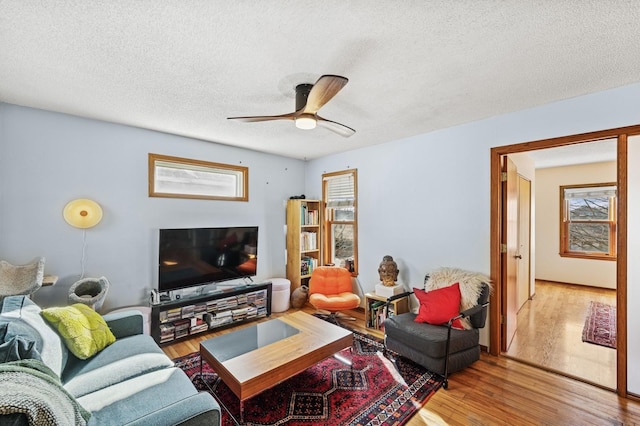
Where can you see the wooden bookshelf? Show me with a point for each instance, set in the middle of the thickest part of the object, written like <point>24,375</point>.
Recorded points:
<point>304,224</point>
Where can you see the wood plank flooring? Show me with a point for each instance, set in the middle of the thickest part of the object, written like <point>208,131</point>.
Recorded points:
<point>549,333</point>
<point>499,391</point>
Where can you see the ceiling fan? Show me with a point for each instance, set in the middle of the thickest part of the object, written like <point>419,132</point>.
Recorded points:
<point>309,99</point>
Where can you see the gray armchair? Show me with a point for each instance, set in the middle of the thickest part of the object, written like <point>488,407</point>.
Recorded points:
<point>439,348</point>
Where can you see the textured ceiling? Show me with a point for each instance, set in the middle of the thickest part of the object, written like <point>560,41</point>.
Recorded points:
<point>182,67</point>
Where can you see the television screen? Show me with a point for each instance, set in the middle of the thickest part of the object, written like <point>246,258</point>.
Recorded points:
<point>197,256</point>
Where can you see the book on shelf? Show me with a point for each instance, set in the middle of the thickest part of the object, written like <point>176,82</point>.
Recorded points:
<point>309,216</point>
<point>308,241</point>
<point>200,309</point>
<point>252,311</point>
<point>198,326</point>
<point>257,297</point>
<point>219,318</point>
<point>212,305</point>
<point>182,327</point>
<point>376,314</point>
<point>240,314</point>
<point>173,314</point>
<point>222,314</point>
<point>167,332</point>
<point>381,318</point>
<point>187,311</point>
<point>227,303</point>
<point>307,265</point>
<point>242,299</point>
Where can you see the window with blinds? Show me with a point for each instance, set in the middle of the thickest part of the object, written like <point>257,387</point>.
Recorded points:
<point>339,196</point>
<point>588,221</point>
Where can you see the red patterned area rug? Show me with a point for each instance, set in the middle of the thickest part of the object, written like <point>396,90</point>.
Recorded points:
<point>600,325</point>
<point>373,392</point>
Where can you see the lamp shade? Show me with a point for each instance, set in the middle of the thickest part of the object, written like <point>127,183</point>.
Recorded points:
<point>82,213</point>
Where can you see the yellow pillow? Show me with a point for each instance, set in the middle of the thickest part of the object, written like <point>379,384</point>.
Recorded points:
<point>84,331</point>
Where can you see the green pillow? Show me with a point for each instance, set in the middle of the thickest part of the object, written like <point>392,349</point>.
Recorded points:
<point>84,331</point>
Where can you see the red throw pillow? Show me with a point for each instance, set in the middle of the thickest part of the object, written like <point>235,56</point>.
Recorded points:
<point>438,306</point>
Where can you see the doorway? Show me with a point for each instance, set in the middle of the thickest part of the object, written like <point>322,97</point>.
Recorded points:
<point>551,315</point>
<point>499,250</point>
<point>549,332</point>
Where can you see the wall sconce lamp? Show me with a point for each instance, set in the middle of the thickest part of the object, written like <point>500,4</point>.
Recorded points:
<point>82,213</point>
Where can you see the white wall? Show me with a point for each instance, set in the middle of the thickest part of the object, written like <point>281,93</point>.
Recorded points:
<point>425,200</point>
<point>48,159</point>
<point>633,267</point>
<point>550,265</point>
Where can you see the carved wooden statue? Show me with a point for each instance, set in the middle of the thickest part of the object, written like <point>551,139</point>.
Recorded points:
<point>388,271</point>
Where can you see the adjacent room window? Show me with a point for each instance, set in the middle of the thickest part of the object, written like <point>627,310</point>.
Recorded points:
<point>588,221</point>
<point>184,178</point>
<point>340,220</point>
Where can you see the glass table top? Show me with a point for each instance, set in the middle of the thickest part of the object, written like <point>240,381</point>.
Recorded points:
<point>236,343</point>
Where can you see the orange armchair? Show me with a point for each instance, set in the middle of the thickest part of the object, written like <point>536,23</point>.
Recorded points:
<point>330,289</point>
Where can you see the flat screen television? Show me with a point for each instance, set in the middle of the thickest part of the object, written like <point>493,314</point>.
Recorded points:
<point>197,256</point>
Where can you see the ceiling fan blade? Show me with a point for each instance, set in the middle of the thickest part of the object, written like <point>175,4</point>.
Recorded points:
<point>338,128</point>
<point>289,116</point>
<point>325,88</point>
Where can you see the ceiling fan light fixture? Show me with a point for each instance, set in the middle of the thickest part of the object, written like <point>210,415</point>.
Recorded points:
<point>309,99</point>
<point>306,122</point>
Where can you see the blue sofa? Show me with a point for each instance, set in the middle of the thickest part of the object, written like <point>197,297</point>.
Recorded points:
<point>130,382</point>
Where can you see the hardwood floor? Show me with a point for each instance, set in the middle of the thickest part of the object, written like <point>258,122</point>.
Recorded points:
<point>499,391</point>
<point>549,333</point>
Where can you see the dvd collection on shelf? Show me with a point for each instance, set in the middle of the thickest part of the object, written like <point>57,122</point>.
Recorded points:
<point>179,322</point>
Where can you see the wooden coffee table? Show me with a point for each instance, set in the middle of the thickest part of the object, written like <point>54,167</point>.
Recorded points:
<point>253,359</point>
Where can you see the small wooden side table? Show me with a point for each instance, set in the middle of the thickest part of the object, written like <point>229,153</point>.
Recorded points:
<point>376,312</point>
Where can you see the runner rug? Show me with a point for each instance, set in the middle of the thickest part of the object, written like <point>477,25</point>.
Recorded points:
<point>373,392</point>
<point>600,325</point>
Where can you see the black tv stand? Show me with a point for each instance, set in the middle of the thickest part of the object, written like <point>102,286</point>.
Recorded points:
<point>178,319</point>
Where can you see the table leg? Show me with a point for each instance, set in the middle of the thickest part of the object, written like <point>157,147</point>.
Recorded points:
<point>220,402</point>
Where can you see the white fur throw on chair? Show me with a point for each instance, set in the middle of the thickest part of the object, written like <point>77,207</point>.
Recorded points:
<point>470,287</point>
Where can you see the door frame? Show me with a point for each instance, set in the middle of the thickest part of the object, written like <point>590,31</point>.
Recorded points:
<point>496,237</point>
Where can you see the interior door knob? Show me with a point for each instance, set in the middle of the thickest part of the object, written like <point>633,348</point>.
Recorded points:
<point>518,256</point>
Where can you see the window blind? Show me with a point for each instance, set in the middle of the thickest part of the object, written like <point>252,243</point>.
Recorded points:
<point>594,192</point>
<point>340,190</point>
